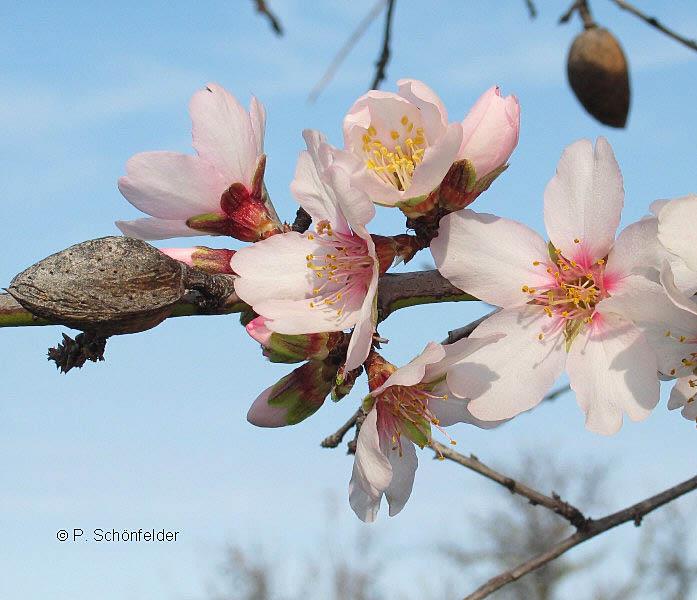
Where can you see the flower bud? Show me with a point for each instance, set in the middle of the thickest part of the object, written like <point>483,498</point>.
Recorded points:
<point>294,397</point>
<point>490,132</point>
<point>210,260</point>
<point>344,384</point>
<point>282,348</point>
<point>378,370</point>
<point>247,213</point>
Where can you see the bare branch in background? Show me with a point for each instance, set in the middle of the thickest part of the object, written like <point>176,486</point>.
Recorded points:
<point>384,58</point>
<point>553,502</point>
<point>654,22</point>
<point>263,9</point>
<point>593,528</point>
<point>532,9</point>
<point>583,9</point>
<point>343,52</point>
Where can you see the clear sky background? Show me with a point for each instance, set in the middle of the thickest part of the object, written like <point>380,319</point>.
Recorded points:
<point>156,436</point>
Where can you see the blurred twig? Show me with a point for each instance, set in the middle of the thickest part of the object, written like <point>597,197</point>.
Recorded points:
<point>583,9</point>
<point>343,52</point>
<point>384,58</point>
<point>654,22</point>
<point>263,9</point>
<point>532,9</point>
<point>592,528</point>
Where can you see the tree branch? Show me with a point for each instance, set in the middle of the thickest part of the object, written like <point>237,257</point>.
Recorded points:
<point>384,58</point>
<point>655,23</point>
<point>532,9</point>
<point>343,52</point>
<point>399,290</point>
<point>396,290</point>
<point>553,502</point>
<point>634,513</point>
<point>263,9</point>
<point>333,440</point>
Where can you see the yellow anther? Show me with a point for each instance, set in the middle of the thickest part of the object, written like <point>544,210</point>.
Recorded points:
<point>372,130</point>
<point>541,336</point>
<point>366,138</point>
<point>404,120</point>
<point>577,241</point>
<point>600,261</point>
<point>394,134</point>
<point>535,263</point>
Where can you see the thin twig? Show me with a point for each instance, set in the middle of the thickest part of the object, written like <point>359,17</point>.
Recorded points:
<point>263,9</point>
<point>532,9</point>
<point>583,9</point>
<point>634,513</point>
<point>333,440</point>
<point>466,330</point>
<point>384,58</point>
<point>553,502</point>
<point>343,52</point>
<point>654,22</point>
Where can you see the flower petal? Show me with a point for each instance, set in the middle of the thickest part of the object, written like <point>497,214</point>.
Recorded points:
<point>413,372</point>
<point>274,268</point>
<point>613,371</point>
<point>155,229</point>
<point>683,396</point>
<point>677,229</point>
<point>223,133</point>
<point>648,306</point>
<point>362,337</point>
<point>404,466</point>
<point>433,112</point>
<point>583,201</point>
<point>512,376</point>
<point>324,189</point>
<point>262,414</point>
<point>490,131</point>
<point>437,161</point>
<point>171,186</point>
<point>372,471</point>
<point>490,257</point>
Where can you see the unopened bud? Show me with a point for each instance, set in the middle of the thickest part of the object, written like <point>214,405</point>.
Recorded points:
<point>283,348</point>
<point>462,185</point>
<point>247,214</point>
<point>344,384</point>
<point>378,370</point>
<point>294,397</point>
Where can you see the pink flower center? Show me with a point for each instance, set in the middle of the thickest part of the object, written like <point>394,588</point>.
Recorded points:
<point>570,297</point>
<point>395,160</point>
<point>404,410</point>
<point>342,266</point>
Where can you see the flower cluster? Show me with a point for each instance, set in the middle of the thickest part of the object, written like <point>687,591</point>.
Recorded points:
<point>615,312</point>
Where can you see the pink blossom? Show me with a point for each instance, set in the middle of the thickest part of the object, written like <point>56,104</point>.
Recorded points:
<point>555,299</point>
<point>403,406</point>
<point>490,131</point>
<point>323,280</point>
<point>400,145</point>
<point>219,191</point>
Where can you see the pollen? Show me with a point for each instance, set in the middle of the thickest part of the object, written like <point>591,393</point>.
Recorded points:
<point>391,162</point>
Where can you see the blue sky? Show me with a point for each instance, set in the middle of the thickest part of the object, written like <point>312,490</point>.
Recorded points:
<point>156,436</point>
